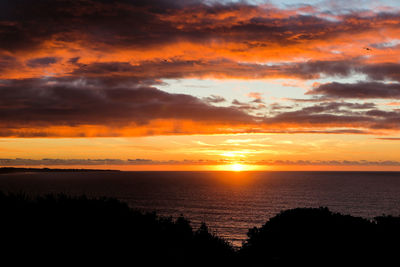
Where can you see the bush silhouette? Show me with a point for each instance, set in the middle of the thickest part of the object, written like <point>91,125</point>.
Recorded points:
<point>60,229</point>
<point>320,237</point>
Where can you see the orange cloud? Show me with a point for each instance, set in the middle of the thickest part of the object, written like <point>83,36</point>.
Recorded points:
<point>91,68</point>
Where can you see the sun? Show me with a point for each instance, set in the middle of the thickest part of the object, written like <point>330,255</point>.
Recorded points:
<point>237,167</point>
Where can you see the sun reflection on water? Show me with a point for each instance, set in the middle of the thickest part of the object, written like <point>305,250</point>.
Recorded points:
<point>236,174</point>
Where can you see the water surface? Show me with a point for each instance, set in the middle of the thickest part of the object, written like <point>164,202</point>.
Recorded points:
<point>229,202</point>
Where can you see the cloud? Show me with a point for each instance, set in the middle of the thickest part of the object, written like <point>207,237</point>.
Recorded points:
<point>123,106</point>
<point>389,138</point>
<point>74,102</point>
<point>93,162</point>
<point>225,68</point>
<point>41,62</point>
<point>360,90</point>
<point>27,25</point>
<point>337,114</point>
<point>133,162</point>
<point>382,71</point>
<point>173,69</point>
<point>176,39</point>
<point>329,163</point>
<point>257,97</point>
<point>92,67</point>
<point>214,99</point>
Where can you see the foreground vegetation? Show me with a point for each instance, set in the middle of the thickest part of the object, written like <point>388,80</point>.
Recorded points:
<point>60,229</point>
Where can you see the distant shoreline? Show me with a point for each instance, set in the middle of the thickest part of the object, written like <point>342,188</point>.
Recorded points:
<point>15,170</point>
<point>4,170</point>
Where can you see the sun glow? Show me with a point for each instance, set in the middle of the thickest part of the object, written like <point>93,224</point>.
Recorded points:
<point>237,167</point>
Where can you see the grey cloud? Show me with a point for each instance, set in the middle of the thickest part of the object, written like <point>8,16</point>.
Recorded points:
<point>76,101</point>
<point>25,25</point>
<point>214,99</point>
<point>338,114</point>
<point>42,61</point>
<point>360,90</point>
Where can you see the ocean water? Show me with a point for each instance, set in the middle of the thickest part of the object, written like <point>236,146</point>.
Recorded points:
<point>229,202</point>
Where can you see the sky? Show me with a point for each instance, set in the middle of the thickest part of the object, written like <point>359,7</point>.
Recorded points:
<point>200,85</point>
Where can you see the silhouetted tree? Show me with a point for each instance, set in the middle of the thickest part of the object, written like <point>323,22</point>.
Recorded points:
<point>316,237</point>
<point>60,229</point>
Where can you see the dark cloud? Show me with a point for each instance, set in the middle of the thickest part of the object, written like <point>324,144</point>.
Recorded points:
<point>338,114</point>
<point>124,102</point>
<point>73,60</point>
<point>123,92</point>
<point>314,68</point>
<point>78,101</point>
<point>174,69</point>
<point>382,71</point>
<point>42,61</point>
<point>252,106</point>
<point>73,101</point>
<point>8,62</point>
<point>310,130</point>
<point>227,68</point>
<point>277,106</point>
<point>360,90</point>
<point>345,68</point>
<point>326,107</point>
<point>238,103</point>
<point>26,24</point>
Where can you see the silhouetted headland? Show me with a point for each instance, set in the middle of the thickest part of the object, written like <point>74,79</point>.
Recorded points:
<point>15,170</point>
<point>61,229</point>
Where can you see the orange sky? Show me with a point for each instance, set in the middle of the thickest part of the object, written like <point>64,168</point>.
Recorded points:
<point>200,86</point>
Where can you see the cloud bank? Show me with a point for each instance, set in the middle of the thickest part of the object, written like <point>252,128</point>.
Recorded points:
<point>94,67</point>
<point>133,162</point>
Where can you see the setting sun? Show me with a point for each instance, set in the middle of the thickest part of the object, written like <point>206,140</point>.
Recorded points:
<point>237,167</point>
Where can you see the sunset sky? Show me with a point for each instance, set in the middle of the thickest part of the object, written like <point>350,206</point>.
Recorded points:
<point>200,85</point>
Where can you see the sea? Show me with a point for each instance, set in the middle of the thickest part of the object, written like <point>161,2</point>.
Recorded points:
<point>228,202</point>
